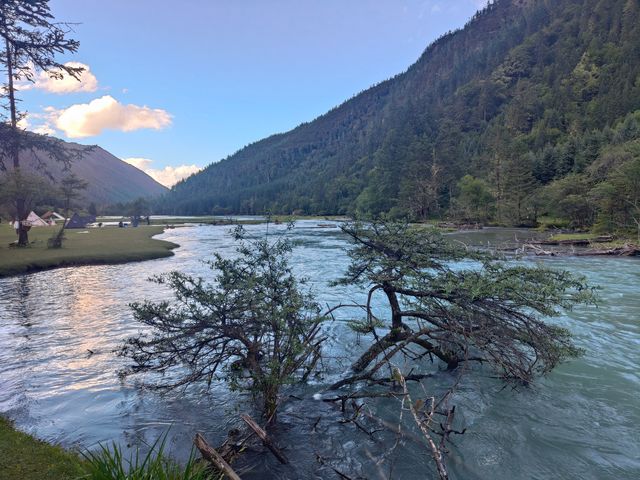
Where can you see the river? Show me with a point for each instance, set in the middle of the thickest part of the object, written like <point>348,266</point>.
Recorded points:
<point>58,381</point>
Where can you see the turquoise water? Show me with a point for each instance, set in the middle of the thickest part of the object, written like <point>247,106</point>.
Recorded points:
<point>58,330</point>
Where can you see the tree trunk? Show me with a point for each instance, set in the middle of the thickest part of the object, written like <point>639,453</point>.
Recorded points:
<point>374,350</point>
<point>266,440</point>
<point>23,232</point>
<point>11,91</point>
<point>270,402</point>
<point>23,235</point>
<point>392,339</point>
<point>396,317</point>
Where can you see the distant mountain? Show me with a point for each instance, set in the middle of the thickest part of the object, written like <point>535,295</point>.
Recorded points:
<point>529,93</point>
<point>110,179</point>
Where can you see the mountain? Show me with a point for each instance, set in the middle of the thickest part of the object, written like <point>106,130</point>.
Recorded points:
<point>532,103</point>
<point>110,180</point>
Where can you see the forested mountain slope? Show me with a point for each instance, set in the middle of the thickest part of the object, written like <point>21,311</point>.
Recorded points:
<point>534,99</point>
<point>109,179</point>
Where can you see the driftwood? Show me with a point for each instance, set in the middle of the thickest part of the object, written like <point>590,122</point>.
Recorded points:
<point>537,250</point>
<point>265,438</point>
<point>577,242</point>
<point>581,242</point>
<point>460,226</point>
<point>211,455</point>
<point>628,250</point>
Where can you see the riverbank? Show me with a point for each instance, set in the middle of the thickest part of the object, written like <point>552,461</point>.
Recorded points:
<point>589,245</point>
<point>94,246</point>
<point>25,458</point>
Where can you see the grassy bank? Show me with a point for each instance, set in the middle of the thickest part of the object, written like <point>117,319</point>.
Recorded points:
<point>563,237</point>
<point>319,218</point>
<point>25,458</point>
<point>97,246</point>
<point>203,221</point>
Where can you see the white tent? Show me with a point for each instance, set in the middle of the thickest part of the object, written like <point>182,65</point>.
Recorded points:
<point>51,217</point>
<point>34,220</point>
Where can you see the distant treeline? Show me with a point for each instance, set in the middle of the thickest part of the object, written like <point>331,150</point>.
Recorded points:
<point>532,109</point>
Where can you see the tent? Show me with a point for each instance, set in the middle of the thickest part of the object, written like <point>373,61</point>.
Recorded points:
<point>76,221</point>
<point>51,217</point>
<point>34,220</point>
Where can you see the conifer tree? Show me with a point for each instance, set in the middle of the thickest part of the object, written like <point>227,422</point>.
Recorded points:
<point>30,40</point>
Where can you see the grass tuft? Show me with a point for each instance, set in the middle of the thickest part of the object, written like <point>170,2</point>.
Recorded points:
<point>111,464</point>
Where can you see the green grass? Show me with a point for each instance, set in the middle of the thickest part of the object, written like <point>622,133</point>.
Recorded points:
<point>548,223</point>
<point>99,246</point>
<point>320,218</point>
<point>111,464</point>
<point>573,236</point>
<point>25,458</point>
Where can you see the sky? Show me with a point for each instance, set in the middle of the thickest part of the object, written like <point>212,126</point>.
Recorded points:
<point>173,86</point>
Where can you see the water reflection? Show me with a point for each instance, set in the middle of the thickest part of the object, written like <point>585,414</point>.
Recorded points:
<point>58,330</point>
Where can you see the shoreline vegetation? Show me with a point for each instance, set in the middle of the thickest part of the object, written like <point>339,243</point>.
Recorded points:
<point>27,458</point>
<point>111,245</point>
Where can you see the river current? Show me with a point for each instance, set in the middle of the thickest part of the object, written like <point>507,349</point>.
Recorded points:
<point>58,381</point>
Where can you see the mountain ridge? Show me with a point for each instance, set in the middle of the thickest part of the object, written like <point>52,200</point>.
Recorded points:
<point>520,76</point>
<point>110,179</point>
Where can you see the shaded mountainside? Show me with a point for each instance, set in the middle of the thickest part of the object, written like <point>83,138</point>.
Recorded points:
<point>529,94</point>
<point>110,180</point>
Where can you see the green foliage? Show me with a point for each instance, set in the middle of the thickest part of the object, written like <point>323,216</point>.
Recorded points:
<point>255,325</point>
<point>459,304</point>
<point>31,39</point>
<point>138,208</point>
<point>32,190</point>
<point>71,188</point>
<point>474,200</point>
<point>365,326</point>
<point>620,196</point>
<point>111,464</point>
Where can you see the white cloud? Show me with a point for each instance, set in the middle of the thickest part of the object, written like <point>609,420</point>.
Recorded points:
<point>104,113</point>
<point>168,176</point>
<point>86,82</point>
<point>44,129</point>
<point>25,123</point>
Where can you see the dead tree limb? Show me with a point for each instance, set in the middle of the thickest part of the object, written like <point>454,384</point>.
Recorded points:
<point>425,427</point>
<point>212,456</point>
<point>267,442</point>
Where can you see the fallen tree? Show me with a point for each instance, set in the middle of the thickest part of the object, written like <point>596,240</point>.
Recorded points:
<point>457,305</point>
<point>254,326</point>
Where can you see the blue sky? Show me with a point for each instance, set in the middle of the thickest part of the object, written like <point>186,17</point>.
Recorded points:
<point>188,83</point>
